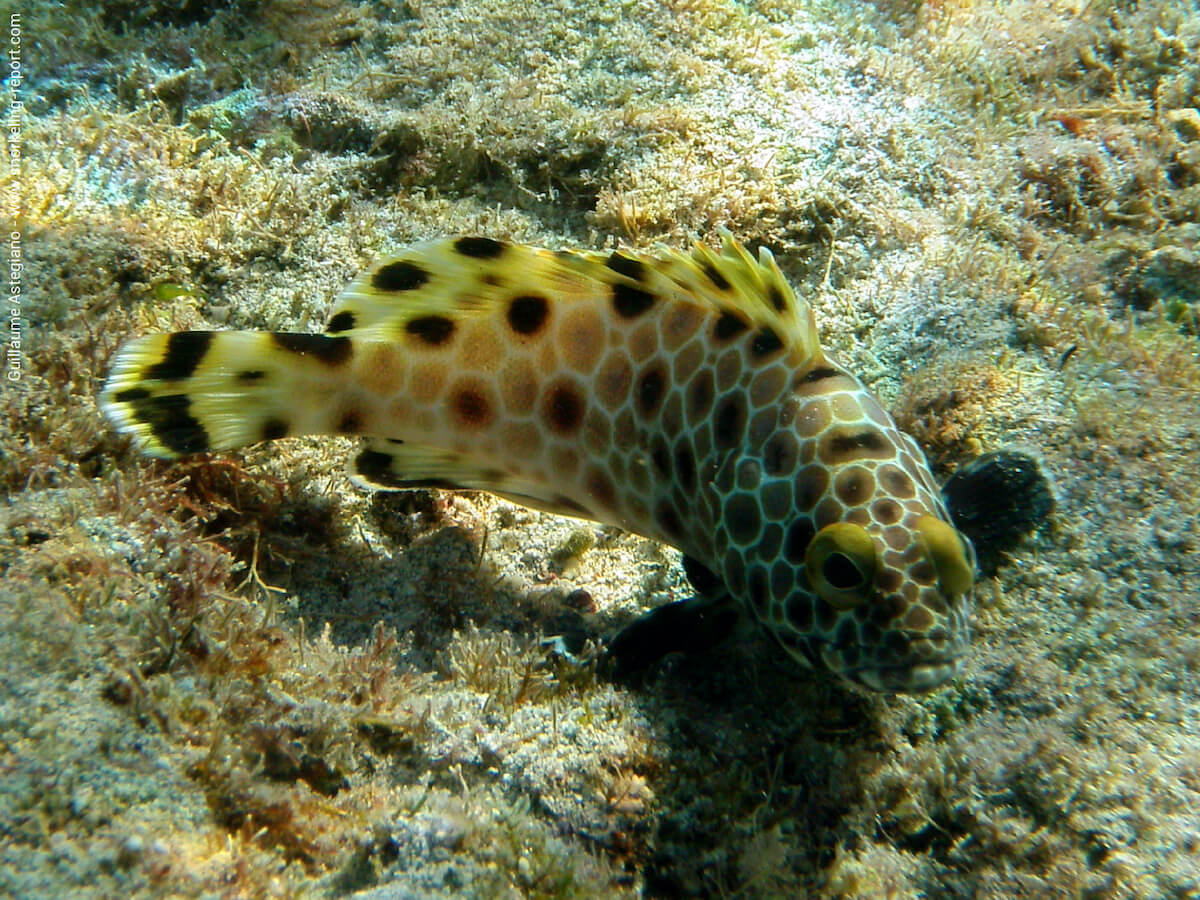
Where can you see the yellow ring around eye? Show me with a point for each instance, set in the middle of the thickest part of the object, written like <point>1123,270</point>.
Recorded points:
<point>948,555</point>
<point>841,564</point>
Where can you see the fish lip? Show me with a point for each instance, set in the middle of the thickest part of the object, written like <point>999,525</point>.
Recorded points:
<point>917,678</point>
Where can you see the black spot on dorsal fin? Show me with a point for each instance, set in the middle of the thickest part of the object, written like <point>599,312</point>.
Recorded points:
<point>432,330</point>
<point>479,247</point>
<point>400,275</point>
<point>729,326</point>
<point>333,351</point>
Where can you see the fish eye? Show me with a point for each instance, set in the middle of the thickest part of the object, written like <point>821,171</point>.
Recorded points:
<point>841,564</point>
<point>840,571</point>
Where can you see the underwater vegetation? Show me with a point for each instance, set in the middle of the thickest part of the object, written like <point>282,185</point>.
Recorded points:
<point>238,676</point>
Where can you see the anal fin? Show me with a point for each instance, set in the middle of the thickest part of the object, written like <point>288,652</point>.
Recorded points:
<point>388,464</point>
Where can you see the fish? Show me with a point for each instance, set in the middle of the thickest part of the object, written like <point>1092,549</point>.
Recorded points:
<point>680,395</point>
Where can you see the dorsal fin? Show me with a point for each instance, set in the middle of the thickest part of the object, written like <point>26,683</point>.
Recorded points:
<point>448,277</point>
<point>456,277</point>
<point>733,281</point>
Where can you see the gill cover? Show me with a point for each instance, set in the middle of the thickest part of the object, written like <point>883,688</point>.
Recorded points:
<point>841,564</point>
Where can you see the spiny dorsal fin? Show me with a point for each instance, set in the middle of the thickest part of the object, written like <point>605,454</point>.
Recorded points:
<point>733,281</point>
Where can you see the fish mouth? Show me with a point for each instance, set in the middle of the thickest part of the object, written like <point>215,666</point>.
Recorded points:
<point>915,678</point>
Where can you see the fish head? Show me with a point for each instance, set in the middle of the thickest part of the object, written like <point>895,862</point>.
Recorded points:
<point>885,607</point>
<point>834,535</point>
<point>884,618</point>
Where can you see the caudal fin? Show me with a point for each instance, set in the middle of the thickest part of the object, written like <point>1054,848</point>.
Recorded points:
<point>195,391</point>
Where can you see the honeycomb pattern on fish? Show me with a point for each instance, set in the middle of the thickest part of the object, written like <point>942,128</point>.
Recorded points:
<point>684,397</point>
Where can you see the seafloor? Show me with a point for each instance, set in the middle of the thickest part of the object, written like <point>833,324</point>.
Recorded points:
<point>239,676</point>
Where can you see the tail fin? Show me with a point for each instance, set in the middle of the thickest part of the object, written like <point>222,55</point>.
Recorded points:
<point>194,391</point>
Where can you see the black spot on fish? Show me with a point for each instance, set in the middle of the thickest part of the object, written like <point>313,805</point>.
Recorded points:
<point>630,301</point>
<point>343,321</point>
<point>184,351</point>
<point>627,266</point>
<point>131,395</point>
<point>400,275</point>
<point>171,420</point>
<point>479,247</point>
<point>685,466</point>
<point>662,459</point>
<point>700,396</point>
<point>729,326</point>
<point>375,466</point>
<point>273,429</point>
<point>730,422</point>
<point>351,422</point>
<point>714,275</point>
<point>819,374</point>
<point>775,297</point>
<point>527,314</point>
<point>799,536</point>
<point>333,351</point>
<point>765,343</point>
<point>869,440</point>
<point>781,453</point>
<point>249,376</point>
<point>432,330</point>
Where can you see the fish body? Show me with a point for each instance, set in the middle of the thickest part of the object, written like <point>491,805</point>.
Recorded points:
<point>682,396</point>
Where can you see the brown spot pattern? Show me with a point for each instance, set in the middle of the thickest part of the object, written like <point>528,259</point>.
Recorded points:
<point>581,339</point>
<point>854,485</point>
<point>651,385</point>
<point>471,406</point>
<point>600,488</point>
<point>564,408</point>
